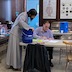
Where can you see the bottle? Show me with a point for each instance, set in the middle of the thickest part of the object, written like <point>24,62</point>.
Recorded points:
<point>0,22</point>
<point>2,30</point>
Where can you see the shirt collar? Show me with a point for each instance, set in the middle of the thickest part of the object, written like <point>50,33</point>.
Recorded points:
<point>42,30</point>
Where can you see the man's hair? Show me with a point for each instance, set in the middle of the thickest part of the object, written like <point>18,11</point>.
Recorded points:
<point>46,22</point>
<point>32,12</point>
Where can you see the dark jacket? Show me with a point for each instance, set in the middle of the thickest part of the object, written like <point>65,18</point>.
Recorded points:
<point>36,58</point>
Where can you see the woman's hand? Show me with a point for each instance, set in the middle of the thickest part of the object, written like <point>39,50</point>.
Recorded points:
<point>32,28</point>
<point>43,37</point>
<point>50,39</point>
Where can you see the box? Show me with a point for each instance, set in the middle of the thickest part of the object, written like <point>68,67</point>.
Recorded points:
<point>63,27</point>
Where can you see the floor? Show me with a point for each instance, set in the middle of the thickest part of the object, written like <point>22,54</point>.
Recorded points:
<point>57,67</point>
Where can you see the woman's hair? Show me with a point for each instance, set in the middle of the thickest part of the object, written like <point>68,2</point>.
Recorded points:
<point>32,12</point>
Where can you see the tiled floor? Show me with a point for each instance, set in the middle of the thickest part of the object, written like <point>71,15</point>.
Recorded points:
<point>57,67</point>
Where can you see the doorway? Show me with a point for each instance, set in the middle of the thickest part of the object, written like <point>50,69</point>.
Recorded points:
<point>35,5</point>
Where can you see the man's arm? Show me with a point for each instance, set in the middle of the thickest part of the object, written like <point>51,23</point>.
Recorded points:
<point>35,33</point>
<point>51,35</point>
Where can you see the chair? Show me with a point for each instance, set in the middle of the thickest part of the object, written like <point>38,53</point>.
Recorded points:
<point>36,59</point>
<point>68,37</point>
<point>68,53</point>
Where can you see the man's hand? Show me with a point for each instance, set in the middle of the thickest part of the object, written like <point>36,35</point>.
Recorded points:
<point>50,38</point>
<point>43,37</point>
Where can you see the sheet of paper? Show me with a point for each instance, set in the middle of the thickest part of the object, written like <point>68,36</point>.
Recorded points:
<point>53,41</point>
<point>39,40</point>
<point>45,40</point>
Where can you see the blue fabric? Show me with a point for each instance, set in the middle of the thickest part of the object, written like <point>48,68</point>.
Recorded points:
<point>35,22</point>
<point>27,36</point>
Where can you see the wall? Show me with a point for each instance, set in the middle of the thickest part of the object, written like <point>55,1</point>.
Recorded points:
<point>8,9</point>
<point>5,12</point>
<point>57,13</point>
<point>17,8</point>
<point>33,4</point>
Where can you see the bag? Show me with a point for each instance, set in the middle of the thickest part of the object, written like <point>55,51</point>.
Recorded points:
<point>27,36</point>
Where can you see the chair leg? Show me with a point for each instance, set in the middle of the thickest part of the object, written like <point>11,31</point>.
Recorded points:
<point>0,60</point>
<point>66,67</point>
<point>60,55</point>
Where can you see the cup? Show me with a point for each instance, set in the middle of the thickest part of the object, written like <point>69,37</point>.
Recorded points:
<point>61,31</point>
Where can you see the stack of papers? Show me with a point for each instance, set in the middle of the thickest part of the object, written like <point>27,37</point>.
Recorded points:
<point>45,41</point>
<point>52,41</point>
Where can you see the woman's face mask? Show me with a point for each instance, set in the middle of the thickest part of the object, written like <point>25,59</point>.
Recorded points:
<point>32,17</point>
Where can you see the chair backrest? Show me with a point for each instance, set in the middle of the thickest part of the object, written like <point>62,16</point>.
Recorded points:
<point>36,58</point>
<point>68,45</point>
<point>67,42</point>
<point>68,49</point>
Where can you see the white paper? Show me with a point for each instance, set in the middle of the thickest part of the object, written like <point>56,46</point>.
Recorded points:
<point>53,41</point>
<point>45,40</point>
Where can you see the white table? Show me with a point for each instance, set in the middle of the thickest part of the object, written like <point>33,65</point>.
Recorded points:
<point>58,33</point>
<point>51,43</point>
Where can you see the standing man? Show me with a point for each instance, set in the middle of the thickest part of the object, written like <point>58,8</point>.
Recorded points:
<point>45,33</point>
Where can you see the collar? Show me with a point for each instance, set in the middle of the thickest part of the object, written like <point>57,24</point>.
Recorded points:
<point>42,30</point>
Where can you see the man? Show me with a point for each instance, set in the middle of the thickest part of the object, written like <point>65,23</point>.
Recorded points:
<point>45,33</point>
<point>14,52</point>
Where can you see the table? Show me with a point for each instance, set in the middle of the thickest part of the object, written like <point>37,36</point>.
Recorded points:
<point>3,39</point>
<point>3,43</point>
<point>48,43</point>
<point>58,33</point>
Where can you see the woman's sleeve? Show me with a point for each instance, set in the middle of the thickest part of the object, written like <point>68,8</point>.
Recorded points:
<point>23,23</point>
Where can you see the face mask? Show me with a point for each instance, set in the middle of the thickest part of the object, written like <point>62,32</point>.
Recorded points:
<point>31,18</point>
